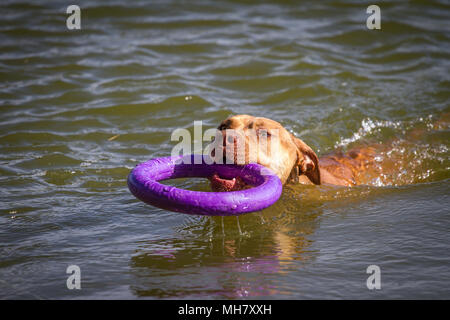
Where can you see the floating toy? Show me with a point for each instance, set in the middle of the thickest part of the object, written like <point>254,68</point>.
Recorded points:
<point>143,183</point>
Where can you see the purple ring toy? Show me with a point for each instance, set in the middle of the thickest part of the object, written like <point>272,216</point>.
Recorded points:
<point>143,184</point>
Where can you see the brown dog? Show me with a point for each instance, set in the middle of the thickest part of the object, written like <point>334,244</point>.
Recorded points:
<point>289,157</point>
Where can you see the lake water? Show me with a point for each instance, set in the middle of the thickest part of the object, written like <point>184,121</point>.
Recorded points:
<point>80,108</point>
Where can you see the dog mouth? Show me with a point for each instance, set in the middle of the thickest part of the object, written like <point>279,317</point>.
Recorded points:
<point>219,183</point>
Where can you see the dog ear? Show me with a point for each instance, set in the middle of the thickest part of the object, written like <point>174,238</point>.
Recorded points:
<point>307,160</point>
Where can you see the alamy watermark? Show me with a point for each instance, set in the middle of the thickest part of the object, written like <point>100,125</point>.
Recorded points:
<point>73,22</point>
<point>229,146</point>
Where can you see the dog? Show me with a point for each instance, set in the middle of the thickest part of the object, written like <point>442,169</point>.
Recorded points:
<point>292,160</point>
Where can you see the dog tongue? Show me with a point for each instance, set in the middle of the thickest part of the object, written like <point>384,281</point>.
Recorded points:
<point>221,184</point>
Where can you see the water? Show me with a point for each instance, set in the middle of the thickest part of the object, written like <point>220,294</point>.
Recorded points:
<point>79,109</point>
